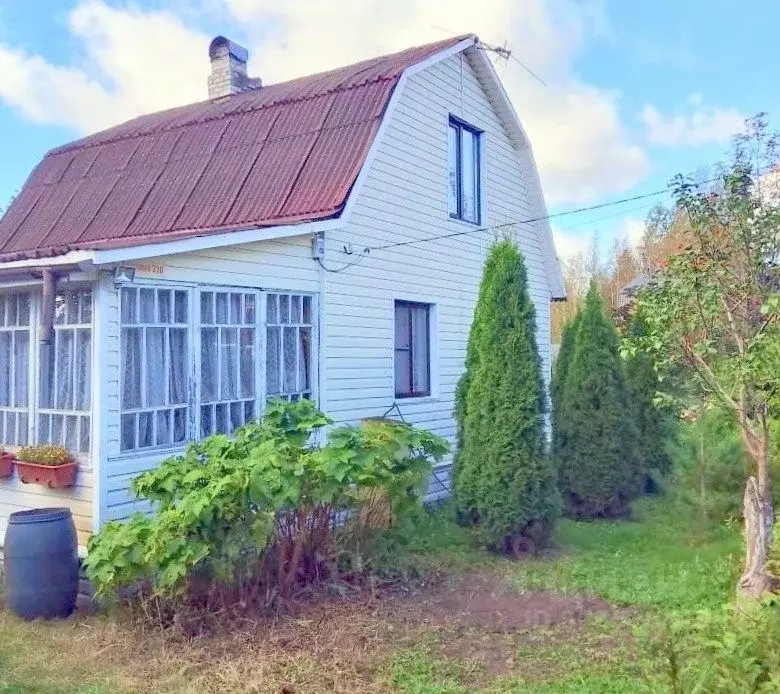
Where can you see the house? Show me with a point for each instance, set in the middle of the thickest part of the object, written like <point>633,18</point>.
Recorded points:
<point>628,292</point>
<point>319,238</point>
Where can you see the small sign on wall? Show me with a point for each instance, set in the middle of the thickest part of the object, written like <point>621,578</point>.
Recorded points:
<point>149,268</point>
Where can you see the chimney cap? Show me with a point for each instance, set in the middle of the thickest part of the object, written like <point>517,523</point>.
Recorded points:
<point>237,51</point>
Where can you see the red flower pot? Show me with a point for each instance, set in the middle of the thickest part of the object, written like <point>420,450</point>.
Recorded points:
<point>6,465</point>
<point>54,476</point>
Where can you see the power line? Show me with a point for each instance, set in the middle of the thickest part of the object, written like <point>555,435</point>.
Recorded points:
<point>495,227</point>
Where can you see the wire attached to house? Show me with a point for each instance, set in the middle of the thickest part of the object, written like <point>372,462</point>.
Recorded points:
<point>360,257</point>
<point>555,215</point>
<point>395,408</point>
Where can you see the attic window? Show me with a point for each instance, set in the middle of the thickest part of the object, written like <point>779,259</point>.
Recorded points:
<point>464,170</point>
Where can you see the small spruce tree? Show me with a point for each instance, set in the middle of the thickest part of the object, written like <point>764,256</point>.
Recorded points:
<point>600,464</point>
<point>503,478</point>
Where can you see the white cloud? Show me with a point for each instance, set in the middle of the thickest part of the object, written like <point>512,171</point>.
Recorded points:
<point>568,246</point>
<point>134,61</point>
<point>697,124</point>
<point>632,230</point>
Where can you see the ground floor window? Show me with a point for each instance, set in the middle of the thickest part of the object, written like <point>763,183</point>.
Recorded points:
<point>412,349</point>
<point>190,359</point>
<point>289,346</point>
<point>58,410</point>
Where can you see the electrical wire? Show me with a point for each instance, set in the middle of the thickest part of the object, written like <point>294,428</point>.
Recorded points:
<point>555,215</point>
<point>363,254</point>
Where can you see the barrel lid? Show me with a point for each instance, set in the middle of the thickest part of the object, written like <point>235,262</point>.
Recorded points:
<point>39,515</point>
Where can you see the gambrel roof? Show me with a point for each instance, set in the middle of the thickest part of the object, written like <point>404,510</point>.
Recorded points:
<point>283,154</point>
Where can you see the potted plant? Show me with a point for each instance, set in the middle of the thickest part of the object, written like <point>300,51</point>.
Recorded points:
<point>6,464</point>
<point>50,465</point>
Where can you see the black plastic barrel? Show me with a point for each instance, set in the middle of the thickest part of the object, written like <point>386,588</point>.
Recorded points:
<point>41,564</point>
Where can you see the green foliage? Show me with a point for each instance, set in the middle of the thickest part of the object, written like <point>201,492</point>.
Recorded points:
<point>653,425</point>
<point>731,650</point>
<point>710,468</point>
<point>560,372</point>
<point>599,465</point>
<point>503,478</point>
<point>261,511</point>
<point>714,311</point>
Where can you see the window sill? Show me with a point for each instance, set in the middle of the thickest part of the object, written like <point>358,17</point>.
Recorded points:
<point>465,222</point>
<point>156,452</point>
<point>415,400</point>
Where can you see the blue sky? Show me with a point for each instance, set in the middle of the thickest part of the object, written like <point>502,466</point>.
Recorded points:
<point>636,91</point>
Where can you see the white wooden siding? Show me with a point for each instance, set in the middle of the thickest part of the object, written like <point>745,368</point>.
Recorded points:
<point>285,264</point>
<point>403,199</point>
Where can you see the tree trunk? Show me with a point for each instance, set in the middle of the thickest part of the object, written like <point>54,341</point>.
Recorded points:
<point>756,580</point>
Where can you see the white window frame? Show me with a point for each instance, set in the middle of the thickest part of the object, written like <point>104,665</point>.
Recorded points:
<point>298,393</point>
<point>198,350</point>
<point>34,366</point>
<point>167,406</point>
<point>195,382</point>
<point>52,411</point>
<point>32,360</point>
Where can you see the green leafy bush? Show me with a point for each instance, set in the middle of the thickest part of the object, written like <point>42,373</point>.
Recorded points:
<point>728,651</point>
<point>599,469</point>
<point>239,520</point>
<point>504,480</point>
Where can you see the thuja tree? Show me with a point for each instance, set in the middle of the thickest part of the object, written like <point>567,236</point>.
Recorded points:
<point>651,419</point>
<point>714,312</point>
<point>503,478</point>
<point>599,463</point>
<point>560,372</point>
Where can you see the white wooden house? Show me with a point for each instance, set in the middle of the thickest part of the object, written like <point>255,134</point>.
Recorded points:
<point>200,260</point>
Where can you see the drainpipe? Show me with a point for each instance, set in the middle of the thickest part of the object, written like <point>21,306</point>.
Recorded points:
<point>46,333</point>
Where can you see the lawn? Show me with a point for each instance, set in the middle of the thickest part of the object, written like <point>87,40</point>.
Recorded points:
<point>475,622</point>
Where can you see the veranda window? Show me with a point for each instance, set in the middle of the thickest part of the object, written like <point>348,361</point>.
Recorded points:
<point>227,360</point>
<point>155,366</point>
<point>14,368</point>
<point>289,329</point>
<point>66,374</point>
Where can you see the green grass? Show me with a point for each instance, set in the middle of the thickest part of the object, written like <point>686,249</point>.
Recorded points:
<point>651,561</point>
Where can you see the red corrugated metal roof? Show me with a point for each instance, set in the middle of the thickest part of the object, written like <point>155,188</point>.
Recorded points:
<point>286,153</point>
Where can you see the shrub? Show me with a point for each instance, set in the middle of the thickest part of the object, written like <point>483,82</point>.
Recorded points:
<point>240,520</point>
<point>560,372</point>
<point>600,466</point>
<point>726,651</point>
<point>652,422</point>
<point>51,456</point>
<point>503,478</point>
<point>710,466</point>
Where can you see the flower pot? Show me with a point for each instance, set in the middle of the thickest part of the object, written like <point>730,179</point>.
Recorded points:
<point>54,476</point>
<point>6,465</point>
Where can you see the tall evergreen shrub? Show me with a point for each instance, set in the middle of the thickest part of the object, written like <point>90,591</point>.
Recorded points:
<point>503,478</point>
<point>560,372</point>
<point>600,465</point>
<point>653,427</point>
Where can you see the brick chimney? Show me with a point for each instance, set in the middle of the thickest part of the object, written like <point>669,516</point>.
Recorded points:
<point>228,69</point>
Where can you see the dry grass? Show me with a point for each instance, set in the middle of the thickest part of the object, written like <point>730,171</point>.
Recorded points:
<point>327,646</point>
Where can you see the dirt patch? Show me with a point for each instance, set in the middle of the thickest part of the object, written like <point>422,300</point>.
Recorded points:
<point>488,602</point>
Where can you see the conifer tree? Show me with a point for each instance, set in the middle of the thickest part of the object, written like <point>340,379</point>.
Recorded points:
<point>651,421</point>
<point>600,464</point>
<point>503,479</point>
<point>560,371</point>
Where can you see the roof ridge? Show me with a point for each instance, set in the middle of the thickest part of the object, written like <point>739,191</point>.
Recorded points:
<point>74,146</point>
